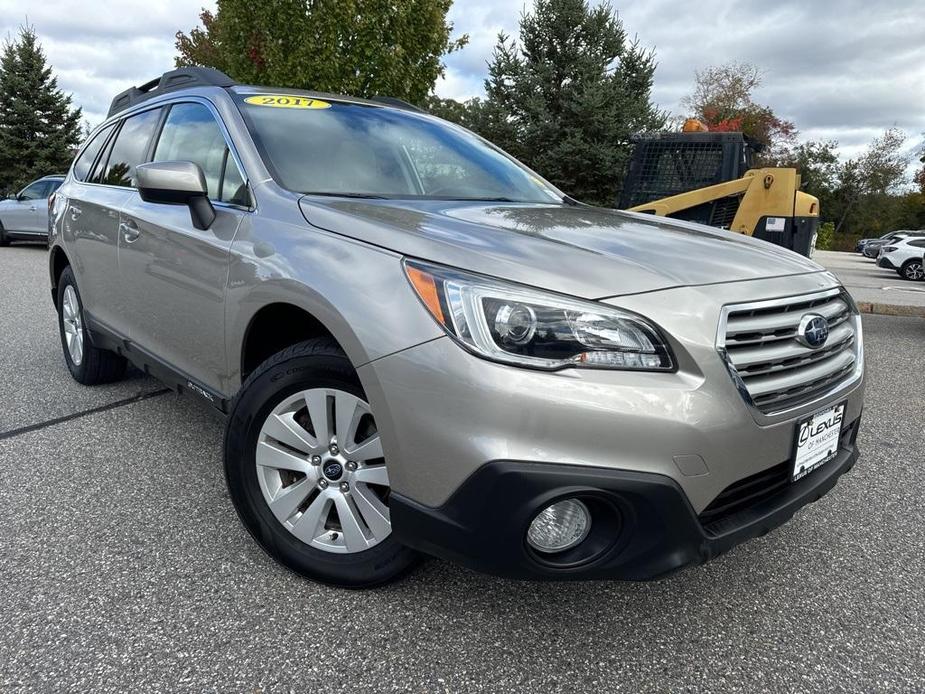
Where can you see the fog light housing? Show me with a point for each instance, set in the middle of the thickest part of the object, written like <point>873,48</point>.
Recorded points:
<point>559,526</point>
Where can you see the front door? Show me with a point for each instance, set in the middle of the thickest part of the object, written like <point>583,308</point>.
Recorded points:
<point>24,214</point>
<point>173,274</point>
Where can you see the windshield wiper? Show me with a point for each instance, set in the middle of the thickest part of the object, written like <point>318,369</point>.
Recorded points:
<point>468,199</point>
<point>366,196</point>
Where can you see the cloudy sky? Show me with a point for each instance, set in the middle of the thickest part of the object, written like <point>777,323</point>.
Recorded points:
<point>840,69</point>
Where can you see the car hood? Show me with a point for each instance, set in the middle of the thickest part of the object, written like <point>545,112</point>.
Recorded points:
<point>578,250</point>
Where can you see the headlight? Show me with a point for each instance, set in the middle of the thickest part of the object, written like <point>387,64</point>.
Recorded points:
<point>528,327</point>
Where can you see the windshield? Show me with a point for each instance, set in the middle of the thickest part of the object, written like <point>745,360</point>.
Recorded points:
<point>337,148</point>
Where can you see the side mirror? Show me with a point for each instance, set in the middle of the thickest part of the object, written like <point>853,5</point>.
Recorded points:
<point>177,183</point>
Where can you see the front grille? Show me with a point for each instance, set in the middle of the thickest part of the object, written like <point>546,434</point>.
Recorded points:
<point>776,370</point>
<point>738,503</point>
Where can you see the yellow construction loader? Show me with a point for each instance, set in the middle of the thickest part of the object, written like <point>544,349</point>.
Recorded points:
<point>707,177</point>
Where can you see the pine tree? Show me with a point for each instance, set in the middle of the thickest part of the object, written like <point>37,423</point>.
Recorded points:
<point>38,127</point>
<point>567,98</point>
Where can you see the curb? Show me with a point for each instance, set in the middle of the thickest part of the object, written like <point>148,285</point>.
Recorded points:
<point>891,309</point>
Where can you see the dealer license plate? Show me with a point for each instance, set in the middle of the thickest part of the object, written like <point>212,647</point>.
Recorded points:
<point>817,440</point>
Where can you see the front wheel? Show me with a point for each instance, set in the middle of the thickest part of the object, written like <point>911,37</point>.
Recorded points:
<point>913,270</point>
<point>306,472</point>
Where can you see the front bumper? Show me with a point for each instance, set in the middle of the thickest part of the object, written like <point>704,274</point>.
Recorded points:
<point>652,528</point>
<point>681,441</point>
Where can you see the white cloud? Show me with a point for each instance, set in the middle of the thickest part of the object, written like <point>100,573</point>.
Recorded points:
<point>843,69</point>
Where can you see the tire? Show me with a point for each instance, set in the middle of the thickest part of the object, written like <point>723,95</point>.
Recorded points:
<point>4,241</point>
<point>88,364</point>
<point>913,270</point>
<point>305,531</point>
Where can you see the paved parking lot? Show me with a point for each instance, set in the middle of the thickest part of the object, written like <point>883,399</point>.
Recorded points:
<point>876,289</point>
<point>123,566</point>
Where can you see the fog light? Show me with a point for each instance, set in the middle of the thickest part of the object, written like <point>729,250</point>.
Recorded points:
<point>559,526</point>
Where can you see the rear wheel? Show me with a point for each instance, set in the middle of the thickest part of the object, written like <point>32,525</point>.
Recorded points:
<point>87,364</point>
<point>306,472</point>
<point>4,241</point>
<point>913,270</point>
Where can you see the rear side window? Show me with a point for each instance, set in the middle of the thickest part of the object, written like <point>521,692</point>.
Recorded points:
<point>918,244</point>
<point>130,149</point>
<point>191,133</point>
<point>87,157</point>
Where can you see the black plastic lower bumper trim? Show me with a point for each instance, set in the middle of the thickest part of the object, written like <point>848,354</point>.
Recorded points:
<point>483,525</point>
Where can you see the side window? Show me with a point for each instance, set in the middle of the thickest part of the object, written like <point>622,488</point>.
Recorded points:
<point>130,148</point>
<point>86,158</point>
<point>918,244</point>
<point>34,191</point>
<point>190,133</point>
<point>52,187</point>
<point>233,188</point>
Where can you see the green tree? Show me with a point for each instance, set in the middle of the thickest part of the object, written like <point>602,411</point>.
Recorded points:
<point>38,127</point>
<point>358,47</point>
<point>872,177</point>
<point>826,236</point>
<point>468,114</point>
<point>566,98</point>
<point>723,99</point>
<point>919,176</point>
<point>818,164</point>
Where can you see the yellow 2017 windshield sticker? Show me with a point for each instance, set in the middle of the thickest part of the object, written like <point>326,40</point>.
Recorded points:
<point>285,101</point>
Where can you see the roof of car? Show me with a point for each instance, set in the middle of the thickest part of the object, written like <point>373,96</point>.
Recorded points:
<point>191,77</point>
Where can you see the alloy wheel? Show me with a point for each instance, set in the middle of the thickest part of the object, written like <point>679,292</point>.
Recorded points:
<point>914,271</point>
<point>322,473</point>
<point>72,320</point>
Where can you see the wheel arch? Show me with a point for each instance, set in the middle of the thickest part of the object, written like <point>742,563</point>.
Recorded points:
<point>57,261</point>
<point>275,326</point>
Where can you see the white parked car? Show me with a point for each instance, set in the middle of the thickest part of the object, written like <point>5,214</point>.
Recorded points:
<point>904,256</point>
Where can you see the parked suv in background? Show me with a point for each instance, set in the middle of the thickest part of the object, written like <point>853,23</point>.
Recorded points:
<point>24,215</point>
<point>872,248</point>
<point>905,256</point>
<point>422,345</point>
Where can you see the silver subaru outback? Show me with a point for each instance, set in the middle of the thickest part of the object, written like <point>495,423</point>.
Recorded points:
<point>422,347</point>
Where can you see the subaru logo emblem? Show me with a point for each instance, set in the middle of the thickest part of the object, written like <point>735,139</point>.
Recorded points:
<point>333,471</point>
<point>813,330</point>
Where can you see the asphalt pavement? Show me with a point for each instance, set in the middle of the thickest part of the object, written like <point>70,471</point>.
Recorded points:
<point>124,568</point>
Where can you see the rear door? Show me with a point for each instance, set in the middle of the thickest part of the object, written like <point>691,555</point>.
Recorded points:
<point>92,220</point>
<point>174,275</point>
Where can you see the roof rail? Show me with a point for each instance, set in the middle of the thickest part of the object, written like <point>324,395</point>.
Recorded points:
<point>396,103</point>
<point>175,79</point>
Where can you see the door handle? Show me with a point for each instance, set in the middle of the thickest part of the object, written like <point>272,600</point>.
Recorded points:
<point>32,208</point>
<point>129,231</point>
